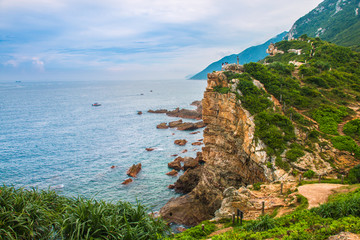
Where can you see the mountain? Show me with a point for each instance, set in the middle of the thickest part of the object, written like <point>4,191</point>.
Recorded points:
<point>337,21</point>
<point>251,54</point>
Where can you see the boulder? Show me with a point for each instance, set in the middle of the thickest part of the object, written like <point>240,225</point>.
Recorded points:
<point>185,113</point>
<point>197,143</point>
<point>171,186</point>
<point>172,173</point>
<point>175,123</point>
<point>188,126</point>
<point>134,170</point>
<point>127,181</point>
<point>162,126</point>
<point>139,113</point>
<point>112,167</point>
<point>175,165</point>
<point>190,162</point>
<point>180,142</point>
<point>174,155</point>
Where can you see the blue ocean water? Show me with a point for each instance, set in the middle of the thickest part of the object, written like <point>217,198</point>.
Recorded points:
<point>51,137</point>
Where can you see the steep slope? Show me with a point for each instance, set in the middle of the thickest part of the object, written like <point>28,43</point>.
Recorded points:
<point>251,54</point>
<point>271,121</point>
<point>333,20</point>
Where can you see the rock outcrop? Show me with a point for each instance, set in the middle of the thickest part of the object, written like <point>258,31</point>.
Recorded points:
<point>134,170</point>
<point>232,156</point>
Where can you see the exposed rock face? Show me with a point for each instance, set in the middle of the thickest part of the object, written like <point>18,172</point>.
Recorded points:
<point>180,142</point>
<point>188,181</point>
<point>232,157</point>
<point>134,170</point>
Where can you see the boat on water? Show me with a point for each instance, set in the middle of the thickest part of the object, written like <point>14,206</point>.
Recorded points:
<point>96,104</point>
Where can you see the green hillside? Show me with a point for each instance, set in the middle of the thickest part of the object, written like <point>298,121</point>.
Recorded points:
<point>336,21</point>
<point>319,97</point>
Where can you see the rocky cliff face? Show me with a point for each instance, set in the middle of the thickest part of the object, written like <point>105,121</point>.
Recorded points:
<point>232,157</point>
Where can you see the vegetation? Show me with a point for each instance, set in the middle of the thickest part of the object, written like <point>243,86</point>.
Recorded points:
<point>33,214</point>
<point>354,175</point>
<point>352,129</point>
<point>341,213</point>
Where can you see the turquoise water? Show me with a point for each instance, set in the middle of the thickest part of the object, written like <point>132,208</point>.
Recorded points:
<point>51,137</point>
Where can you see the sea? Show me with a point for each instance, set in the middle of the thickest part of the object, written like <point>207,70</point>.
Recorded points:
<point>51,137</point>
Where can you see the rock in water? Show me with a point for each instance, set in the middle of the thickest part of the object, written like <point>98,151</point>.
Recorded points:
<point>149,149</point>
<point>172,173</point>
<point>176,163</point>
<point>180,142</point>
<point>175,123</point>
<point>162,126</point>
<point>134,170</point>
<point>127,181</point>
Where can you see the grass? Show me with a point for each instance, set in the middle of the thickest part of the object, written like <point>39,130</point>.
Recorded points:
<point>34,214</point>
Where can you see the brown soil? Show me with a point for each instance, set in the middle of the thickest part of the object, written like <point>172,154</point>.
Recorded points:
<point>318,193</point>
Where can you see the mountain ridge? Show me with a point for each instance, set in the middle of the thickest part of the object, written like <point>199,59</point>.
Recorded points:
<point>251,54</point>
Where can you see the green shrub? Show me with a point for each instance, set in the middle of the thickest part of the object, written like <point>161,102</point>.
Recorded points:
<point>309,174</point>
<point>354,175</point>
<point>294,153</point>
<point>352,129</point>
<point>275,130</point>
<point>329,117</point>
<point>263,223</point>
<point>33,214</point>
<point>257,186</point>
<point>196,232</point>
<point>346,143</point>
<point>222,90</point>
<point>282,164</point>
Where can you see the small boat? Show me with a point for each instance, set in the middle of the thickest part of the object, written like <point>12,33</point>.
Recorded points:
<point>96,104</point>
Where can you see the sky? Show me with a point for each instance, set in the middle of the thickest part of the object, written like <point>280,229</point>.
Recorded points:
<point>56,40</point>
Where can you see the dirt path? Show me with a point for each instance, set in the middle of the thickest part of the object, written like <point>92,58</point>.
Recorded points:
<point>317,193</point>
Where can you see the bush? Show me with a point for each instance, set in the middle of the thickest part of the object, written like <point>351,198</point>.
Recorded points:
<point>263,223</point>
<point>275,130</point>
<point>257,186</point>
<point>222,90</point>
<point>346,143</point>
<point>352,129</point>
<point>294,153</point>
<point>309,174</point>
<point>282,164</point>
<point>354,175</point>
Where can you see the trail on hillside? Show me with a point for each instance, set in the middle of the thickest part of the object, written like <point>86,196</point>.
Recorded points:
<point>317,194</point>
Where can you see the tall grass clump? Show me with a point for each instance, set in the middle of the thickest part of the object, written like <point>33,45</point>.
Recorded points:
<point>34,214</point>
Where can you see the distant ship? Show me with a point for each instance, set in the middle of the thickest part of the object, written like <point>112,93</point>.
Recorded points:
<point>96,104</point>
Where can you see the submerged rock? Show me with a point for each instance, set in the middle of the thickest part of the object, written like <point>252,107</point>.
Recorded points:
<point>127,181</point>
<point>172,173</point>
<point>180,142</point>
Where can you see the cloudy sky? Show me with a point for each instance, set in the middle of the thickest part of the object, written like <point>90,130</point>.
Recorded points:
<point>133,39</point>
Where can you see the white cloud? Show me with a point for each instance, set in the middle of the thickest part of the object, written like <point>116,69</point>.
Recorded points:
<point>118,35</point>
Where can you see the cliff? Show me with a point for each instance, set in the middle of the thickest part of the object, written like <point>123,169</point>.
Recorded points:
<point>231,156</point>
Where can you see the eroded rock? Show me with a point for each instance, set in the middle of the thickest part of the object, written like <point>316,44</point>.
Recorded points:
<point>134,170</point>
<point>180,142</point>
